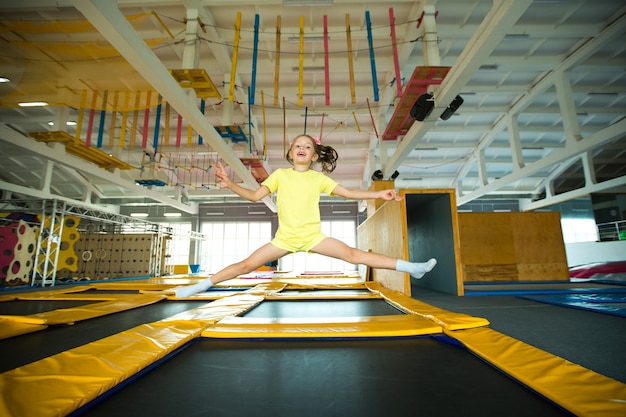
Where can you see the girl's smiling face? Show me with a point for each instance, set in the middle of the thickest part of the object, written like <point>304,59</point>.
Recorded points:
<point>303,151</point>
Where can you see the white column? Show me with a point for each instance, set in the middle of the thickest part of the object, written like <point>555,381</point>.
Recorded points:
<point>514,140</point>
<point>567,105</point>
<point>430,44</point>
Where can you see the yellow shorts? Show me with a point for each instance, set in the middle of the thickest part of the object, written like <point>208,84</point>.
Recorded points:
<point>298,246</point>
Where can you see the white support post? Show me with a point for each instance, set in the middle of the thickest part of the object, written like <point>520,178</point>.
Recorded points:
<point>430,43</point>
<point>191,58</point>
<point>384,150</point>
<point>46,179</point>
<point>588,168</point>
<point>567,105</point>
<point>482,168</point>
<point>514,140</point>
<point>227,106</point>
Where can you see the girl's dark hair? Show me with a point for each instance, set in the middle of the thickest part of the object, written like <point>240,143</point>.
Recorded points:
<point>327,155</point>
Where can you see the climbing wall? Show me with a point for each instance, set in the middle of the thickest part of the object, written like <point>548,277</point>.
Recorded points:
<point>21,267</point>
<point>111,255</point>
<point>18,242</point>
<point>67,260</point>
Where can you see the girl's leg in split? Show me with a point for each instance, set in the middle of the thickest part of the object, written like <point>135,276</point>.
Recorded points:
<point>265,254</point>
<point>337,249</point>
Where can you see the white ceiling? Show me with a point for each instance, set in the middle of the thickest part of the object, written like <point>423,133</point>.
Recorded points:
<point>543,84</point>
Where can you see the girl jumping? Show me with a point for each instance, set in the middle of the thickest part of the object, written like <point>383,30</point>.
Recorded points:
<point>298,192</point>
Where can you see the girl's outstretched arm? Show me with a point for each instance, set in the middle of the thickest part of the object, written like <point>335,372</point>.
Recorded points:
<point>226,182</point>
<point>356,194</point>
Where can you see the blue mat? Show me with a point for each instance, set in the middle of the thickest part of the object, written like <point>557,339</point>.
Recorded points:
<point>607,303</point>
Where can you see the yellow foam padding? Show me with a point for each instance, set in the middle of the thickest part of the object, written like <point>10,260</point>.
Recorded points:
<point>264,289</point>
<point>61,296</point>
<point>322,286</point>
<point>322,275</point>
<point>217,310</point>
<point>378,326</point>
<point>181,269</point>
<point>446,319</point>
<point>4,298</point>
<point>48,293</point>
<point>573,387</point>
<point>69,380</point>
<point>9,328</point>
<point>115,304</point>
<point>315,295</point>
<point>267,288</point>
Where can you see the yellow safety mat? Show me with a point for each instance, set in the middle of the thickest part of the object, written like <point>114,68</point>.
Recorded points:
<point>377,326</point>
<point>149,284</point>
<point>446,319</point>
<point>327,286</point>
<point>114,304</point>
<point>316,295</point>
<point>9,328</point>
<point>36,295</point>
<point>575,388</point>
<point>224,307</point>
<point>60,384</point>
<point>7,298</point>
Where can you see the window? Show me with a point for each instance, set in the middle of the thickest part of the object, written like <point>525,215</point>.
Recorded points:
<point>230,242</point>
<point>578,230</point>
<point>344,230</point>
<point>181,235</point>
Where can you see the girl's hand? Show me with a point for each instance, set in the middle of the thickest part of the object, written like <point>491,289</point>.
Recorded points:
<point>222,175</point>
<point>390,195</point>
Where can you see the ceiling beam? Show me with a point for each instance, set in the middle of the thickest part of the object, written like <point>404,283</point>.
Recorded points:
<point>494,26</point>
<point>573,149</point>
<point>587,49</point>
<point>70,162</point>
<point>109,21</point>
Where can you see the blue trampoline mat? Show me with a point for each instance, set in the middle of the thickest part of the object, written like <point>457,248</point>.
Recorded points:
<point>607,303</point>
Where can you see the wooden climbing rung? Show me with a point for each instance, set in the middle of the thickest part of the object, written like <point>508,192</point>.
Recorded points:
<point>199,80</point>
<point>77,148</point>
<point>234,133</point>
<point>422,77</point>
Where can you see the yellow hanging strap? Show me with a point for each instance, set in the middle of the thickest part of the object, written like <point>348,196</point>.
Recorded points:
<point>166,129</point>
<point>133,129</point>
<point>162,24</point>
<point>301,61</point>
<point>284,129</point>
<point>264,126</point>
<point>113,119</point>
<point>356,122</point>
<point>124,120</point>
<point>277,61</point>
<point>81,114</point>
<point>350,64</point>
<point>233,70</point>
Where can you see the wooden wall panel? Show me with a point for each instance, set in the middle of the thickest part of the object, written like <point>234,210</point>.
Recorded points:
<point>373,205</point>
<point>539,247</point>
<point>512,247</point>
<point>384,232</point>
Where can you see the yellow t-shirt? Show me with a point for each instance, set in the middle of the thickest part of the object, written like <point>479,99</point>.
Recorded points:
<point>297,200</point>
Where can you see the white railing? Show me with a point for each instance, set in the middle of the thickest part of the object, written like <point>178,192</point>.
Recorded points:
<point>612,230</point>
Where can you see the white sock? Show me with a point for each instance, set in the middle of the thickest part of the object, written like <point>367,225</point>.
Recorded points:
<point>189,290</point>
<point>416,269</point>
